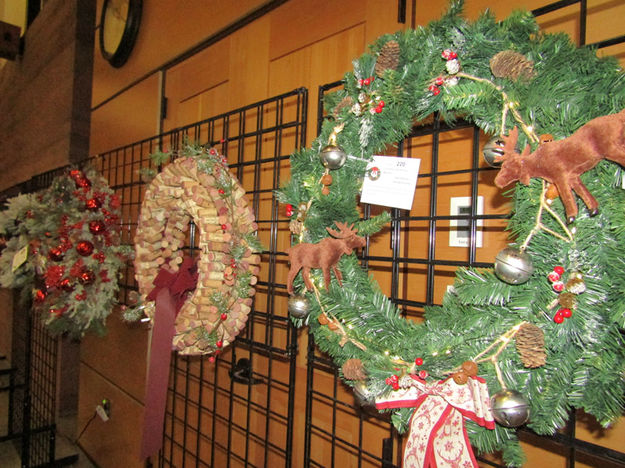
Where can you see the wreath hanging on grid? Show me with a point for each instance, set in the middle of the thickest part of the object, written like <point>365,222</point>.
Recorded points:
<point>199,187</point>
<point>63,250</point>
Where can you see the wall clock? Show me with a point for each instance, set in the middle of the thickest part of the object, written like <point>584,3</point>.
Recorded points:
<point>119,27</point>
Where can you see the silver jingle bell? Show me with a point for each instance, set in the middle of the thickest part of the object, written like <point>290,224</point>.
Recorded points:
<point>363,396</point>
<point>299,306</point>
<point>492,150</point>
<point>513,266</point>
<point>333,157</point>
<point>510,408</point>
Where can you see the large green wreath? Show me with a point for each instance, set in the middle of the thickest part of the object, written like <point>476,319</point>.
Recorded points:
<point>545,85</point>
<point>63,251</point>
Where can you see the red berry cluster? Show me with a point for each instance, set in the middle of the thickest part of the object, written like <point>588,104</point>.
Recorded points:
<point>366,81</point>
<point>393,381</point>
<point>449,54</point>
<point>555,277</point>
<point>557,284</point>
<point>288,210</point>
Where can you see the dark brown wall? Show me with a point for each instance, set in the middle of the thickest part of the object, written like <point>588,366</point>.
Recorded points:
<point>45,94</point>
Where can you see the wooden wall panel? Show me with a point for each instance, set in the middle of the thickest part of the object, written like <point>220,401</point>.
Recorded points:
<point>42,125</point>
<point>131,117</point>
<point>116,442</point>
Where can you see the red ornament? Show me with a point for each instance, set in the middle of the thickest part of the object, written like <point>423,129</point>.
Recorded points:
<point>39,295</point>
<point>97,227</point>
<point>436,92</point>
<point>84,248</point>
<point>219,344</point>
<point>554,276</point>
<point>76,174</point>
<point>224,316</point>
<point>288,210</point>
<point>87,277</point>
<point>558,318</point>
<point>93,204</point>
<point>66,285</point>
<point>366,81</point>
<point>449,54</point>
<point>566,312</point>
<point>433,88</point>
<point>439,81</point>
<point>378,110</point>
<point>423,374</point>
<point>559,270</point>
<point>83,183</point>
<point>81,297</point>
<point>56,312</point>
<point>224,227</point>
<point>56,254</point>
<point>418,361</point>
<point>221,191</point>
<point>381,104</point>
<point>558,286</point>
<point>211,359</point>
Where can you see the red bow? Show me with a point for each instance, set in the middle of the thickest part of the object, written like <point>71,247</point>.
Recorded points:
<point>437,436</point>
<point>178,283</point>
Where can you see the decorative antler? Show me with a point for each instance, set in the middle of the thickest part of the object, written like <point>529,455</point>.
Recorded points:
<point>344,232</point>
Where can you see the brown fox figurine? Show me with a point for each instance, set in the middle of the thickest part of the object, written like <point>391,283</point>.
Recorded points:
<point>562,162</point>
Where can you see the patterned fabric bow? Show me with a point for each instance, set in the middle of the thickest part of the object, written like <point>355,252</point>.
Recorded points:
<point>437,436</point>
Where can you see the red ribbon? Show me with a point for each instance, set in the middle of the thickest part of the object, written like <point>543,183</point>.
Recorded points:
<point>438,436</point>
<point>169,293</point>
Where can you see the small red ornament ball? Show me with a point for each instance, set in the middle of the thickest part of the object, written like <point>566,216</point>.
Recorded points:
<point>288,210</point>
<point>554,276</point>
<point>83,183</point>
<point>558,318</point>
<point>559,270</point>
<point>433,88</point>
<point>39,295</point>
<point>423,374</point>
<point>76,174</point>
<point>219,344</point>
<point>97,227</point>
<point>84,248</point>
<point>224,316</point>
<point>566,312</point>
<point>87,277</point>
<point>66,285</point>
<point>56,254</point>
<point>221,191</point>
<point>558,286</point>
<point>418,361</point>
<point>439,81</point>
<point>93,204</point>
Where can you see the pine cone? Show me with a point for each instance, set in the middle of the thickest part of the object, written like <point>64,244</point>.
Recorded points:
<point>567,299</point>
<point>530,343</point>
<point>388,58</point>
<point>354,370</point>
<point>512,65</point>
<point>347,101</point>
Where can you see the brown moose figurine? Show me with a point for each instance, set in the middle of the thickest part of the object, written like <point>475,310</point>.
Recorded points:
<point>324,254</point>
<point>562,162</point>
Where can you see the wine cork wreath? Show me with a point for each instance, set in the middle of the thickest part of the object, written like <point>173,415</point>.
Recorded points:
<point>203,190</point>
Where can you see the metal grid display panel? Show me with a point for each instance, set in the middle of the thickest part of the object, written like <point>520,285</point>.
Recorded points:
<point>32,418</point>
<point>414,265</point>
<point>238,410</point>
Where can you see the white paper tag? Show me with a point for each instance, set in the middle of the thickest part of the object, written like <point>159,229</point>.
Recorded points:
<point>20,257</point>
<point>390,181</point>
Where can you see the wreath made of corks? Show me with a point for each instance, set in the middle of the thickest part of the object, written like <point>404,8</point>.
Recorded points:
<point>187,190</point>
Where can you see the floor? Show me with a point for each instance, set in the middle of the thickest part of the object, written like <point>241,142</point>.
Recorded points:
<point>68,454</point>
